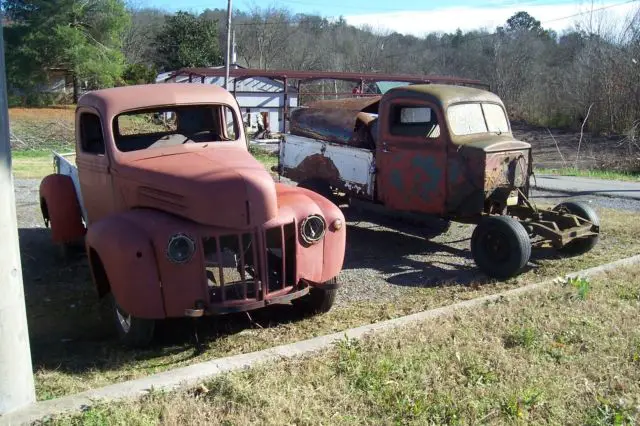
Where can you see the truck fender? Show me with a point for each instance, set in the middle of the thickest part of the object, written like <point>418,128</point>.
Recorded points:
<point>60,208</point>
<point>123,262</point>
<point>334,240</point>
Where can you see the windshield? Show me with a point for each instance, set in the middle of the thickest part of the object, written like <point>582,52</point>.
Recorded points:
<point>472,118</point>
<point>169,126</point>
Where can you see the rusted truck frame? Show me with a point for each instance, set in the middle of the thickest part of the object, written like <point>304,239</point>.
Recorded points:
<point>440,150</point>
<point>178,219</point>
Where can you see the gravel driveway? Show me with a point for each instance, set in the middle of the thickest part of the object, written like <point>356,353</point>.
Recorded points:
<point>384,255</point>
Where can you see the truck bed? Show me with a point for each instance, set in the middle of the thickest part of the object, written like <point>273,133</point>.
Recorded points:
<point>345,167</point>
<point>65,164</point>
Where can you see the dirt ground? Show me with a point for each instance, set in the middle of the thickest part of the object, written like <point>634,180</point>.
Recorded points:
<point>556,148</point>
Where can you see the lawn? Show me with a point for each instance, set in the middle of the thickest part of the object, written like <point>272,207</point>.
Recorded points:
<point>73,352</point>
<point>566,355</point>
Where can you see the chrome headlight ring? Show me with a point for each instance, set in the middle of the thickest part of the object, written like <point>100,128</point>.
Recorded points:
<point>180,248</point>
<point>312,228</point>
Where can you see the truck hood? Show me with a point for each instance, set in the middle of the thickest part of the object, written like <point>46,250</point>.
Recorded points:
<point>221,186</point>
<point>497,143</point>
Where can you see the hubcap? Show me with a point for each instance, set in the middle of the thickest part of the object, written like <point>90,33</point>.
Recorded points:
<point>496,246</point>
<point>123,318</point>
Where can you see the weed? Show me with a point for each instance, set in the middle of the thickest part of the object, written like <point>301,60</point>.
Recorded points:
<point>635,351</point>
<point>581,285</point>
<point>516,406</point>
<point>629,294</point>
<point>478,374</point>
<point>525,337</point>
<point>610,413</point>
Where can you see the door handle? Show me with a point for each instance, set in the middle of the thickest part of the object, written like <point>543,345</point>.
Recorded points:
<point>385,147</point>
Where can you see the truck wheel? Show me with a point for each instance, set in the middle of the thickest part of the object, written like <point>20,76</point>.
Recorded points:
<point>319,186</point>
<point>584,211</point>
<point>133,332</point>
<point>319,300</point>
<point>500,246</point>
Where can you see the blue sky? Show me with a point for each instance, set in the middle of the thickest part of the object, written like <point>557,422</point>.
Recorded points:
<point>337,8</point>
<point>423,16</point>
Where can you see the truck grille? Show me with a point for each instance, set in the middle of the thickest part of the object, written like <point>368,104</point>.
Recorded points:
<point>250,266</point>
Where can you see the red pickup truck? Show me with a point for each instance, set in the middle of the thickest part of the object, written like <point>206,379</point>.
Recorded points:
<point>180,220</point>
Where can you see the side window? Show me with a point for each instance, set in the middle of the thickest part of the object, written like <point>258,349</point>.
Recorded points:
<point>91,138</point>
<point>414,121</point>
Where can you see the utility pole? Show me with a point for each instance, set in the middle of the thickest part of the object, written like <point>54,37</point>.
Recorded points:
<point>228,59</point>
<point>234,56</point>
<point>16,374</point>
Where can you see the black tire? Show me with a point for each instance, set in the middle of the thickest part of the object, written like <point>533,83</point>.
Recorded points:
<point>133,332</point>
<point>500,246</point>
<point>584,211</point>
<point>70,252</point>
<point>319,300</point>
<point>319,186</point>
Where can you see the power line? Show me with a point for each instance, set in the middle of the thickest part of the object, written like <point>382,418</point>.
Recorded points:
<point>479,37</point>
<point>424,10</point>
<point>590,11</point>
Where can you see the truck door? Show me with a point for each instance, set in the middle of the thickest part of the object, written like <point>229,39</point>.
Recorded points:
<point>411,156</point>
<point>93,165</point>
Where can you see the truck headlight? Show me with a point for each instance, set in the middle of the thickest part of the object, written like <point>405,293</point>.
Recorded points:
<point>180,248</point>
<point>312,228</point>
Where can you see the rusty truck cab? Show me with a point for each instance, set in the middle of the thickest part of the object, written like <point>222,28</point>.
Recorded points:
<point>448,151</point>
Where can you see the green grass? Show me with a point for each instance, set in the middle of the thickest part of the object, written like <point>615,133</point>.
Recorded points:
<point>591,173</point>
<point>31,164</point>
<point>269,159</point>
<point>569,360</point>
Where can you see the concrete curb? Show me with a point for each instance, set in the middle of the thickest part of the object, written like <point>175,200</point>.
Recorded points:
<point>193,374</point>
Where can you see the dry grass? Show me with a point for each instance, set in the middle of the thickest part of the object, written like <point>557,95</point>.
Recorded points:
<point>42,129</point>
<point>76,368</point>
<point>562,356</point>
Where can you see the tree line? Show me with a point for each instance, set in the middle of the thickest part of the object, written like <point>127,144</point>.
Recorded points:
<point>590,73</point>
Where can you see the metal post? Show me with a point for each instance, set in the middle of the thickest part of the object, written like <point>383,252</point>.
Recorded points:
<point>285,106</point>
<point>228,59</point>
<point>16,374</point>
<point>234,57</point>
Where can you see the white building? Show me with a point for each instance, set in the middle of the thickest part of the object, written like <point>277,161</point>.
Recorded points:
<point>254,95</point>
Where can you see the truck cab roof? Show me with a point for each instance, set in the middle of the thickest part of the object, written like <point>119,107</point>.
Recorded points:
<point>445,94</point>
<point>111,102</point>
